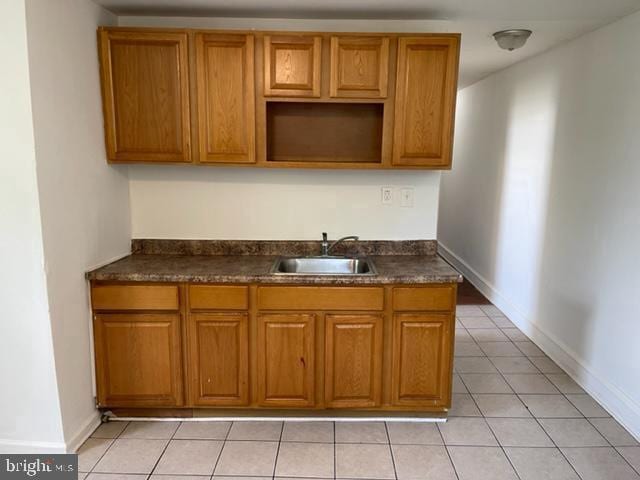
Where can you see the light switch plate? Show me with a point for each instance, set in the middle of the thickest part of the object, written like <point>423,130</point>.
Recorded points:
<point>406,197</point>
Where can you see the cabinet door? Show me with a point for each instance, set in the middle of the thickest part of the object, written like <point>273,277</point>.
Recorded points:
<point>353,360</point>
<point>286,360</point>
<point>218,359</point>
<point>422,359</point>
<point>226,106</point>
<point>145,89</point>
<point>359,67</point>
<point>138,359</point>
<point>292,66</point>
<point>425,101</point>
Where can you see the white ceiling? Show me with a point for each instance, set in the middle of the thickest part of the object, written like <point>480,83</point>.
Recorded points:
<point>552,21</point>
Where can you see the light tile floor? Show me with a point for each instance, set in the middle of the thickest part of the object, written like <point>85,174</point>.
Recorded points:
<point>516,415</point>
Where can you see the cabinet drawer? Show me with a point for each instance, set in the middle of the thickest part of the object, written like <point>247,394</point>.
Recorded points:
<point>320,298</point>
<point>135,297</point>
<point>424,298</point>
<point>218,297</point>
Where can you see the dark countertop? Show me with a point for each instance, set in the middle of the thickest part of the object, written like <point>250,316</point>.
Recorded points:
<point>409,269</point>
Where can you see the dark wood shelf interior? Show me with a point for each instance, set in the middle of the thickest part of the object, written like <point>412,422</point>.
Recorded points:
<point>324,132</point>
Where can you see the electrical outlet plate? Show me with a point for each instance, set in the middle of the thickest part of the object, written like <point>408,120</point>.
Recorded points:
<point>387,195</point>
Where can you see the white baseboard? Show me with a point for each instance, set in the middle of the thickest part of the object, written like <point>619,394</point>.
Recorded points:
<point>87,428</point>
<point>27,446</point>
<point>71,446</point>
<point>622,407</point>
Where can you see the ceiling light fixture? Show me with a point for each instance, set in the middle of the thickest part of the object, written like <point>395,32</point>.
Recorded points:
<point>512,39</point>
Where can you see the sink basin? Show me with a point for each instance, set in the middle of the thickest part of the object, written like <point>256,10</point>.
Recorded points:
<point>323,266</point>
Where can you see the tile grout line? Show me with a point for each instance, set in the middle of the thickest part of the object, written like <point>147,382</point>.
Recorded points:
<point>446,449</point>
<point>533,416</point>
<point>275,463</point>
<point>163,450</point>
<point>224,442</point>
<point>113,441</point>
<point>393,460</point>
<point>538,423</point>
<point>610,444</point>
<point>545,432</point>
<point>335,461</point>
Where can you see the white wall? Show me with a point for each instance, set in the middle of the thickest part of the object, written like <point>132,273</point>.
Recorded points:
<point>237,203</point>
<point>542,208</point>
<point>234,203</point>
<point>84,202</point>
<point>29,409</point>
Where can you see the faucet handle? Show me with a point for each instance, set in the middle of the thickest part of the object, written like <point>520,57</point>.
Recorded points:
<point>324,236</point>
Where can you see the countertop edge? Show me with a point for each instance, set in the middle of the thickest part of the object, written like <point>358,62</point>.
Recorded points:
<point>273,279</point>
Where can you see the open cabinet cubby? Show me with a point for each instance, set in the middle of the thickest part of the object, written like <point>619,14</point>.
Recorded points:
<point>324,132</point>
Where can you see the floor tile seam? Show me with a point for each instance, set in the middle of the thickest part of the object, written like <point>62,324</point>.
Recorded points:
<point>524,446</point>
<point>275,462</point>
<point>553,441</point>
<point>160,457</point>
<point>113,441</point>
<point>611,444</point>
<point>455,471</point>
<point>335,460</point>
<point>224,442</point>
<point>637,470</point>
<point>599,447</point>
<point>580,414</point>
<point>393,460</point>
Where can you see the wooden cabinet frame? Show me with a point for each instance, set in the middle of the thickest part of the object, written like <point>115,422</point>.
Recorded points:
<point>226,103</point>
<point>425,101</point>
<point>242,315</point>
<point>230,383</point>
<point>315,78</point>
<point>282,76</point>
<point>353,359</point>
<point>365,73</point>
<point>143,131</point>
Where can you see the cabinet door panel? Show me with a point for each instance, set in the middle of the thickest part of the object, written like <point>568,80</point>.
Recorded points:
<point>145,96</point>
<point>359,67</point>
<point>354,358</point>
<point>292,66</point>
<point>425,101</point>
<point>286,360</point>
<point>218,352</point>
<point>138,359</point>
<point>422,357</point>
<point>226,105</point>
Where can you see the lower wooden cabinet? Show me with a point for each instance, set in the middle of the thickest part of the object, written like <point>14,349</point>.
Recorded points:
<point>139,357</point>
<point>286,360</point>
<point>353,374</point>
<point>267,346</point>
<point>422,351</point>
<point>219,359</point>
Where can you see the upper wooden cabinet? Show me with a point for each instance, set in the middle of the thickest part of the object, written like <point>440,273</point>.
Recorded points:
<point>279,99</point>
<point>292,66</point>
<point>425,101</point>
<point>226,106</point>
<point>359,67</point>
<point>145,89</point>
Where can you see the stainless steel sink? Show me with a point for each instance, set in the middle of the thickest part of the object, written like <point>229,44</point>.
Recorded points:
<point>323,266</point>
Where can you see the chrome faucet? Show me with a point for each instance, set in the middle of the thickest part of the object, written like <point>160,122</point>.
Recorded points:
<point>326,247</point>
